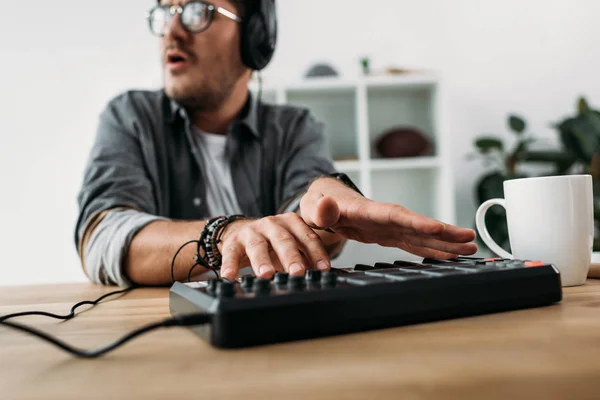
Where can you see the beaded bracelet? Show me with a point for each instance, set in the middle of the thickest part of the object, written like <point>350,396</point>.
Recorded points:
<point>211,237</point>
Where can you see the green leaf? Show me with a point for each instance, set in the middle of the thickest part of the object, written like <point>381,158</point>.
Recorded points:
<point>517,124</point>
<point>490,186</point>
<point>581,136</point>
<point>583,106</point>
<point>522,147</point>
<point>487,144</point>
<point>594,120</point>
<point>562,159</point>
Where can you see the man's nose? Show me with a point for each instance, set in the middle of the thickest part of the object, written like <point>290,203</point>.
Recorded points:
<point>175,29</point>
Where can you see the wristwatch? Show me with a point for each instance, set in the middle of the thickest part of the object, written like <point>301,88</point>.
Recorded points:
<point>340,176</point>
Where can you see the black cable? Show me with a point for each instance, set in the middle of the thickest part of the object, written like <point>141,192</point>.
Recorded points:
<point>184,320</point>
<point>175,257</point>
<point>260,84</point>
<point>71,314</point>
<point>190,271</point>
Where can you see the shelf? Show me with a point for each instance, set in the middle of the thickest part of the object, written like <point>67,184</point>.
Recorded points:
<point>337,111</point>
<point>383,82</point>
<point>347,166</point>
<point>391,82</point>
<point>405,163</point>
<point>393,108</point>
<point>321,84</point>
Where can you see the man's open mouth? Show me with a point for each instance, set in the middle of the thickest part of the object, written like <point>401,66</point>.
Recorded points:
<point>176,57</point>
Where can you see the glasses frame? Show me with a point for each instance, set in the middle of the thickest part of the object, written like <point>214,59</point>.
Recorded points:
<point>178,10</point>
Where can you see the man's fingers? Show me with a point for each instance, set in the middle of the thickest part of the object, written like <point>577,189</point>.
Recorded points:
<point>257,250</point>
<point>312,243</point>
<point>308,207</point>
<point>430,253</point>
<point>318,211</point>
<point>455,234</point>
<point>232,254</point>
<point>393,215</point>
<point>327,212</point>
<point>440,245</point>
<point>285,245</point>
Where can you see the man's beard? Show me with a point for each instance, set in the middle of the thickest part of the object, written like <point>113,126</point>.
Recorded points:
<point>204,96</point>
<point>201,98</point>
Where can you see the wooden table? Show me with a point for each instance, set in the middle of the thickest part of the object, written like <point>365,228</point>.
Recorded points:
<point>547,353</point>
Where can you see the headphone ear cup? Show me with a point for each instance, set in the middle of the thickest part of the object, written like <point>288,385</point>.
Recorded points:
<point>259,36</point>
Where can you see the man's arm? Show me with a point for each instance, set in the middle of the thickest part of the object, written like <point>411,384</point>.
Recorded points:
<point>122,240</point>
<point>120,237</point>
<point>331,204</point>
<point>152,249</point>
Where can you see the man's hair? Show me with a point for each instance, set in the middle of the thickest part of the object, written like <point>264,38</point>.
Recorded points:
<point>241,5</point>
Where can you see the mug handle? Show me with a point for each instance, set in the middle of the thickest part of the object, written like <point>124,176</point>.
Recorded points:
<point>485,235</point>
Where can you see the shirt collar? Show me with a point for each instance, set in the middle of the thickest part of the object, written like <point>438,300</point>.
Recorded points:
<point>249,116</point>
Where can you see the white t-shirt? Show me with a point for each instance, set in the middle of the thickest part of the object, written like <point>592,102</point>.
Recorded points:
<point>220,193</point>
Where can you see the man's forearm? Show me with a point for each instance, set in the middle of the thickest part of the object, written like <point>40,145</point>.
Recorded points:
<point>151,252</point>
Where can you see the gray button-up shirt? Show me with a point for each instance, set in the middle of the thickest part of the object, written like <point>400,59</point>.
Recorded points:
<point>144,166</point>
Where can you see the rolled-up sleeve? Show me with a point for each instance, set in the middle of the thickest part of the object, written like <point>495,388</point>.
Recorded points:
<point>115,178</point>
<point>306,158</point>
<point>106,249</point>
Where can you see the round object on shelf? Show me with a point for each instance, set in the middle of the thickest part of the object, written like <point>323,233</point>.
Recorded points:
<point>321,70</point>
<point>400,142</point>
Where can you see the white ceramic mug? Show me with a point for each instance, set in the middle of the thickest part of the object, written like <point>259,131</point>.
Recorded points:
<point>550,219</point>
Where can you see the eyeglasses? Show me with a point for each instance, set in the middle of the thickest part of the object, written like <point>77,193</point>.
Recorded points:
<point>196,16</point>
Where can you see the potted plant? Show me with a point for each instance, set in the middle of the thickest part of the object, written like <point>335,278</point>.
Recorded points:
<point>579,154</point>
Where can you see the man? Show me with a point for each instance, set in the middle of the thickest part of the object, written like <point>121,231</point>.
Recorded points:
<point>165,162</point>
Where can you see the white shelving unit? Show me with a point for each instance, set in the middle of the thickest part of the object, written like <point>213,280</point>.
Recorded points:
<point>355,112</point>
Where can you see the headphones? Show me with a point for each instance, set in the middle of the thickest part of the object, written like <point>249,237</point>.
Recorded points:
<point>258,33</point>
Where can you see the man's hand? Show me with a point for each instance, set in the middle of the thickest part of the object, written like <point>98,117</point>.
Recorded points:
<point>278,243</point>
<point>331,204</point>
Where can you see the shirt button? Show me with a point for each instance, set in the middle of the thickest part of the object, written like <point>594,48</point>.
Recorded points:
<point>197,201</point>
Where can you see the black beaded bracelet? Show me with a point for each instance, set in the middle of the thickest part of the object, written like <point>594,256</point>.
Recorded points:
<point>211,237</point>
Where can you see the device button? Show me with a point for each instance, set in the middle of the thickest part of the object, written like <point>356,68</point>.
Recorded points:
<point>362,280</point>
<point>225,289</point>
<point>261,286</point>
<point>329,278</point>
<point>313,275</point>
<point>534,264</point>
<point>281,278</point>
<point>296,282</point>
<point>212,285</point>
<point>382,265</point>
<point>363,267</point>
<point>247,281</point>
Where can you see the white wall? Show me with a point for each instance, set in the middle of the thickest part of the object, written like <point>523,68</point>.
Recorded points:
<point>58,68</point>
